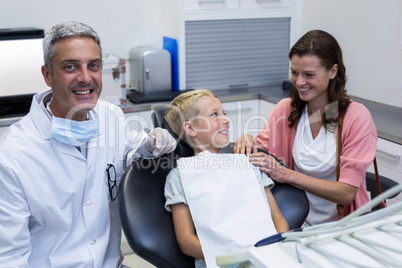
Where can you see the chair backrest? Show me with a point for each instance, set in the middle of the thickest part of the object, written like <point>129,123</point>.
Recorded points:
<point>386,184</point>
<point>148,227</point>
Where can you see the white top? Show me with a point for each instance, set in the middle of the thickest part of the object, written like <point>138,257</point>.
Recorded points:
<point>316,158</point>
<point>55,208</point>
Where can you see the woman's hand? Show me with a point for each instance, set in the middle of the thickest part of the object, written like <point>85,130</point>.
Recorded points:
<point>269,165</point>
<point>245,144</point>
<point>334,191</point>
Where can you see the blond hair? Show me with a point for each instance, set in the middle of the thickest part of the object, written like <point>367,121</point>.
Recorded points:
<point>183,108</point>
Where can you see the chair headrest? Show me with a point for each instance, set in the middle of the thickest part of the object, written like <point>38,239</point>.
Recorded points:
<point>159,120</point>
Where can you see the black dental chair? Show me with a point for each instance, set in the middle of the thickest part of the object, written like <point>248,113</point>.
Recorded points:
<point>372,187</point>
<point>148,227</point>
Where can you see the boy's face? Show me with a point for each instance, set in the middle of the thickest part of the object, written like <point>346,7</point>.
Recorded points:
<point>211,126</point>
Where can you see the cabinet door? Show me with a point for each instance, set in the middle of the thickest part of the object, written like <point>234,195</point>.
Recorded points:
<point>245,4</point>
<point>195,5</point>
<point>389,155</point>
<point>243,118</point>
<point>265,110</point>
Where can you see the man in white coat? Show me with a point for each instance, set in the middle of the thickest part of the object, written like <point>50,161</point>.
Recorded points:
<point>60,165</point>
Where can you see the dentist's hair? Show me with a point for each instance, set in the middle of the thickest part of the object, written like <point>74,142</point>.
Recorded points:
<point>183,108</point>
<point>63,31</point>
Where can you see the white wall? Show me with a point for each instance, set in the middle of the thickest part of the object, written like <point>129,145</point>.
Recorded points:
<point>121,24</point>
<point>369,33</point>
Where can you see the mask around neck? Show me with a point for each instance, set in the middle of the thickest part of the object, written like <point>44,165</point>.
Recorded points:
<point>72,132</point>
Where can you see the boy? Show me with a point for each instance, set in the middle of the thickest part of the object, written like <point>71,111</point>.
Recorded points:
<point>206,192</point>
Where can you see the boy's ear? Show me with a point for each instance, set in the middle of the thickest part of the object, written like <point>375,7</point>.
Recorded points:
<point>188,129</point>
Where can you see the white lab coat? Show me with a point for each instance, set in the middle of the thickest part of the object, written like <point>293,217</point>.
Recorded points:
<point>55,208</point>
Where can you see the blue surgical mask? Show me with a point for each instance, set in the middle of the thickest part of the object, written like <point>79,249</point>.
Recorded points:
<point>72,132</point>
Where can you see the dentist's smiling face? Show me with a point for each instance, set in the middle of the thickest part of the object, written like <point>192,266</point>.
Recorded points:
<point>211,125</point>
<point>76,81</point>
<point>310,78</point>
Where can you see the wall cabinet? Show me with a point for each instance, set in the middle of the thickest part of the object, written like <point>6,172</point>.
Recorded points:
<point>265,110</point>
<point>244,4</point>
<point>233,43</point>
<point>192,5</point>
<point>247,117</point>
<point>243,118</point>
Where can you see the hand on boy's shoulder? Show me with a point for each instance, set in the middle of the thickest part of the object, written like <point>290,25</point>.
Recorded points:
<point>245,145</point>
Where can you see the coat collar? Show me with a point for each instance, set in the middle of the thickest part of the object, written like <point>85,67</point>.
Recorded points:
<point>42,120</point>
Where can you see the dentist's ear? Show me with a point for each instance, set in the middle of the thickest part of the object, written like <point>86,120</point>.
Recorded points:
<point>189,130</point>
<point>47,76</point>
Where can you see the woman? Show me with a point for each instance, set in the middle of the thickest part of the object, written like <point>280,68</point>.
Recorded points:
<point>302,131</point>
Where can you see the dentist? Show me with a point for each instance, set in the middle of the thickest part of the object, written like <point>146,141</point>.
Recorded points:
<point>60,165</point>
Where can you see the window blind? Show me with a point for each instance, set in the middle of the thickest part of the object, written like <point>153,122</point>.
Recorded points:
<point>222,54</point>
